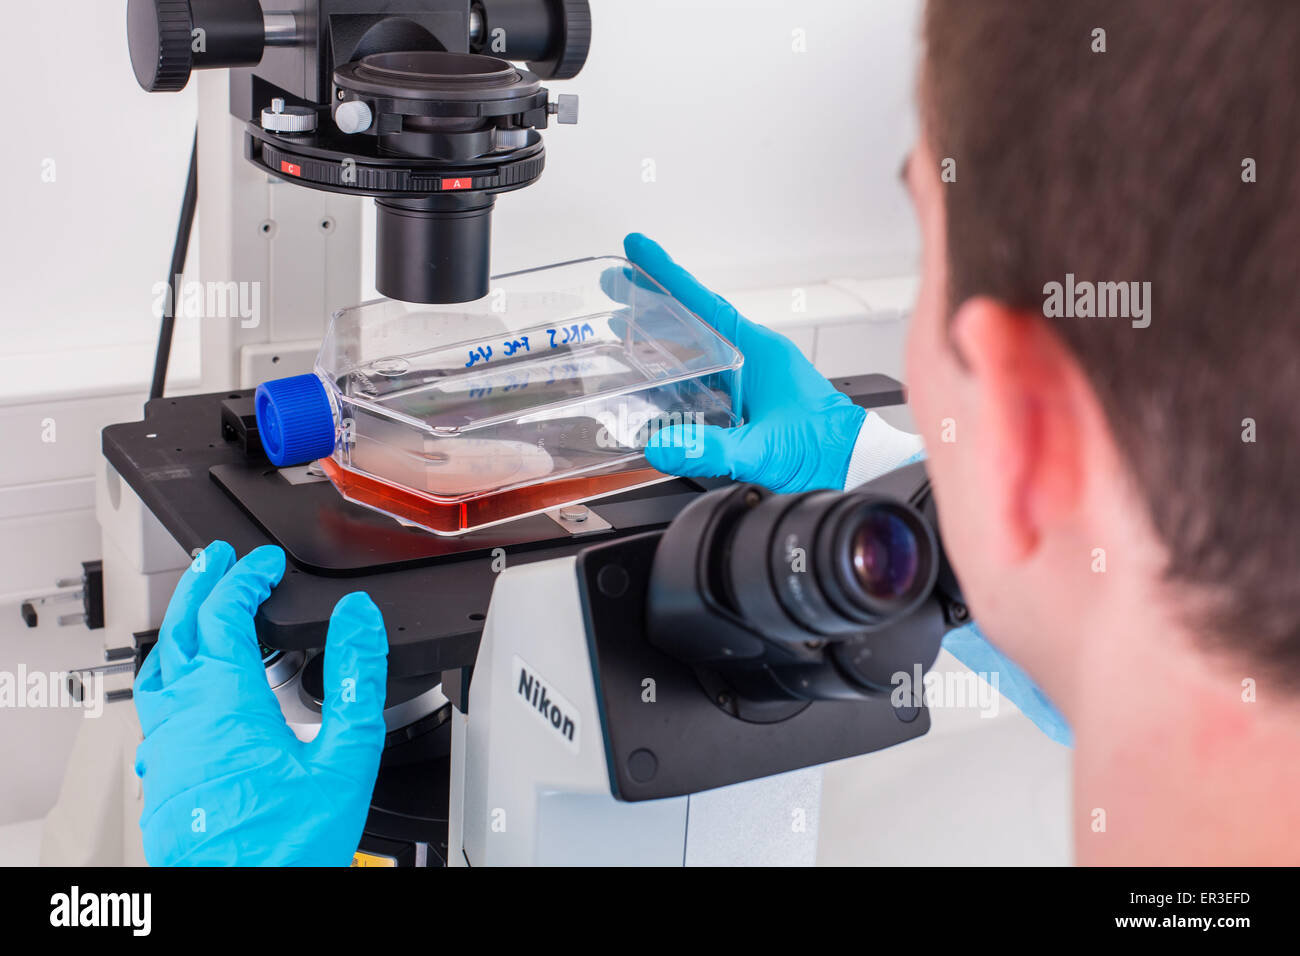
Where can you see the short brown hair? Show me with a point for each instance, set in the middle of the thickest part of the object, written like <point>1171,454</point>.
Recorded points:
<point>1132,164</point>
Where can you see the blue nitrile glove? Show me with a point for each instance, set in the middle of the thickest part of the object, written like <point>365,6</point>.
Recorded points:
<point>973,649</point>
<point>226,782</point>
<point>969,645</point>
<point>799,431</point>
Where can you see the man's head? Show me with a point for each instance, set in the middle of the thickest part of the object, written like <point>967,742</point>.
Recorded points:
<point>1105,354</point>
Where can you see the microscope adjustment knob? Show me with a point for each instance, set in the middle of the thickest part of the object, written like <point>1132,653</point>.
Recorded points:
<point>288,119</point>
<point>169,39</point>
<point>568,58</point>
<point>564,109</point>
<point>353,116</point>
<point>159,35</point>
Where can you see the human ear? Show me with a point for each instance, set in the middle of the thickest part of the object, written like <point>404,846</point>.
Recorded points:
<point>1028,398</point>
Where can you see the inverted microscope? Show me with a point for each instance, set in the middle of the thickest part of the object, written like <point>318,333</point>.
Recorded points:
<point>654,676</point>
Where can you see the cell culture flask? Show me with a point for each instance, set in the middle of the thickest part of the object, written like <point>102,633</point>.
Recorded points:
<point>539,395</point>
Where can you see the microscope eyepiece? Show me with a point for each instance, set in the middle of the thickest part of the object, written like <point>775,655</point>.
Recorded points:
<point>818,595</point>
<point>828,563</point>
<point>885,555</point>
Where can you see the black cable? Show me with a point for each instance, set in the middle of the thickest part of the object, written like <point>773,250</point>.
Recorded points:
<point>179,250</point>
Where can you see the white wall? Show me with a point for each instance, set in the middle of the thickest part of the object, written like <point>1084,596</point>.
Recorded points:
<point>79,256</point>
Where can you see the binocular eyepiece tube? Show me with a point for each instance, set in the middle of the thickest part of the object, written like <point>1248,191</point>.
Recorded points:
<point>823,595</point>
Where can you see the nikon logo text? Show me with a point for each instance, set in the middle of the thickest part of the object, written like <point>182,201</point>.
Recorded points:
<point>558,714</point>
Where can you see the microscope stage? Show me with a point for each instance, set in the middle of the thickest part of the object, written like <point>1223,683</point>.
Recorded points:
<point>433,590</point>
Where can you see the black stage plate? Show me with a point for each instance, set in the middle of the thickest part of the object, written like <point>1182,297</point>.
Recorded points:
<point>433,591</point>
<point>324,533</point>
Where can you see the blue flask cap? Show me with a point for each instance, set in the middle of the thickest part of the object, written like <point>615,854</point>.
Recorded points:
<point>295,420</point>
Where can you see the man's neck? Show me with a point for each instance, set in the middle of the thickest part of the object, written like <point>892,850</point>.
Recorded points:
<point>1181,758</point>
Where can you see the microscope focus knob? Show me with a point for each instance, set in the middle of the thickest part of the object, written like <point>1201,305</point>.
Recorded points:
<point>552,36</point>
<point>572,42</point>
<point>171,38</point>
<point>159,33</point>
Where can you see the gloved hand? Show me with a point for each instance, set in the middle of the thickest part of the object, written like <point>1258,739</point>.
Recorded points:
<point>799,431</point>
<point>225,779</point>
